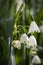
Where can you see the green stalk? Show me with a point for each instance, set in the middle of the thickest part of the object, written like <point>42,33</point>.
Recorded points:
<point>30,56</point>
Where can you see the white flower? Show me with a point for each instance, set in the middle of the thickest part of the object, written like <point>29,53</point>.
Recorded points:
<point>33,27</point>
<point>16,44</point>
<point>24,38</point>
<point>36,60</point>
<point>32,42</point>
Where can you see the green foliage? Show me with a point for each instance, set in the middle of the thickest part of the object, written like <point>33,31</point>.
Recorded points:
<point>3,51</point>
<point>8,10</point>
<point>3,29</point>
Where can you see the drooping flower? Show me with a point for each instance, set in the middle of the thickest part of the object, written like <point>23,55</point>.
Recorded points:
<point>16,44</point>
<point>33,27</point>
<point>24,38</point>
<point>36,60</point>
<point>32,42</point>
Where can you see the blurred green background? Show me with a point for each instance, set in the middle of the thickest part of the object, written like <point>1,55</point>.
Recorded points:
<point>33,11</point>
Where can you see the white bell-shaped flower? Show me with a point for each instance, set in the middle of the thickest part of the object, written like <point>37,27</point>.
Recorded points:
<point>32,42</point>
<point>36,60</point>
<point>24,38</point>
<point>33,27</point>
<point>16,44</point>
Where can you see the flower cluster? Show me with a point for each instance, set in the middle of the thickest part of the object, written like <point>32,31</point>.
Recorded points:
<point>29,42</point>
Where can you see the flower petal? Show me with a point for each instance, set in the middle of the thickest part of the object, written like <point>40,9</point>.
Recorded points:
<point>24,38</point>
<point>32,42</point>
<point>16,44</point>
<point>33,27</point>
<point>36,60</point>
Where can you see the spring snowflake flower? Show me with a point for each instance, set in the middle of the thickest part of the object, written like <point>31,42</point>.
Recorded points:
<point>36,60</point>
<point>33,27</point>
<point>16,44</point>
<point>24,38</point>
<point>32,42</point>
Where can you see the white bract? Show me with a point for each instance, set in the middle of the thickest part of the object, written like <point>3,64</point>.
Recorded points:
<point>16,44</point>
<point>32,42</point>
<point>33,27</point>
<point>36,60</point>
<point>24,38</point>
